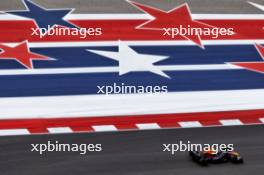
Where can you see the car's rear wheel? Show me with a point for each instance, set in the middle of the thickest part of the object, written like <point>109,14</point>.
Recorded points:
<point>203,162</point>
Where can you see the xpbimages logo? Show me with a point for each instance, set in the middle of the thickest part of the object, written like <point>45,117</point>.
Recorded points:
<point>130,89</point>
<point>63,31</point>
<point>65,147</point>
<point>188,146</point>
<point>192,31</point>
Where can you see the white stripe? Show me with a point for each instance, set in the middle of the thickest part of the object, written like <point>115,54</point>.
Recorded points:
<point>148,126</point>
<point>8,132</point>
<point>262,120</point>
<point>60,130</point>
<point>128,104</point>
<point>190,124</point>
<point>137,43</point>
<point>228,16</point>
<point>114,69</point>
<point>231,122</point>
<point>104,128</point>
<point>139,16</point>
<point>147,16</point>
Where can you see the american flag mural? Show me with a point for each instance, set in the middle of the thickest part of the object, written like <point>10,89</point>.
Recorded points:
<point>56,67</point>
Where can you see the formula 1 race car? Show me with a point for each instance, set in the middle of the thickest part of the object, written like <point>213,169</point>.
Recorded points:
<point>205,157</point>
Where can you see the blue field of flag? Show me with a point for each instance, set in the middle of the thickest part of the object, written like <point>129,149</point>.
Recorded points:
<point>86,83</point>
<point>178,55</point>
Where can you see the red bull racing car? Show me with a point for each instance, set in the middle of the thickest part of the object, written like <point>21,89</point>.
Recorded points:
<point>205,157</point>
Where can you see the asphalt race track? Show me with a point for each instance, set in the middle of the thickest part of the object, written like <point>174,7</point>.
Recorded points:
<point>121,6</point>
<point>133,153</point>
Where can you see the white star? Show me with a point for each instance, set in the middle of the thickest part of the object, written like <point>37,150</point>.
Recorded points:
<point>129,60</point>
<point>261,7</point>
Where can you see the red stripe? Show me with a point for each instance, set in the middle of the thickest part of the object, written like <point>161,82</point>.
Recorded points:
<point>17,31</point>
<point>211,123</point>
<point>129,122</point>
<point>82,128</point>
<point>125,126</point>
<point>38,130</point>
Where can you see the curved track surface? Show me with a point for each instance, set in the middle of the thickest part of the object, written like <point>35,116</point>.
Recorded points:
<point>133,153</point>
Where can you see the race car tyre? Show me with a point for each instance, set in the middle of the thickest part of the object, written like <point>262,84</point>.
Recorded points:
<point>203,162</point>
